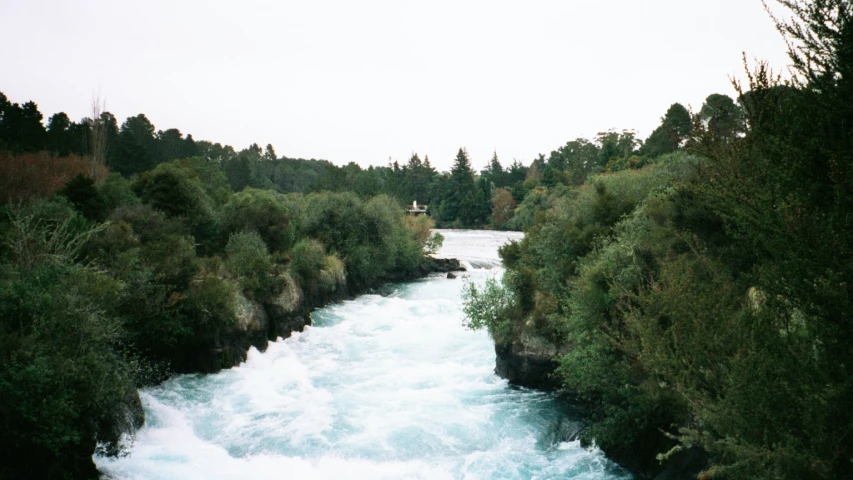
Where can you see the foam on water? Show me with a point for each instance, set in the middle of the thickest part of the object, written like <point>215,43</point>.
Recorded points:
<point>381,387</point>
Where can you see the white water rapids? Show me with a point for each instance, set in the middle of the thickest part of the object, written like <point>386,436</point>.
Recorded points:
<point>387,386</point>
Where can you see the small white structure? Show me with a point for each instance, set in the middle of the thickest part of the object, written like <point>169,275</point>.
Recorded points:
<point>415,209</point>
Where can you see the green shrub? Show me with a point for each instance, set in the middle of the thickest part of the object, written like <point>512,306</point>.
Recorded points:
<point>156,286</point>
<point>434,243</point>
<point>174,192</point>
<point>370,237</point>
<point>263,211</point>
<point>45,231</point>
<point>306,260</point>
<point>494,308</point>
<point>249,260</point>
<point>87,199</point>
<point>63,384</point>
<point>117,191</point>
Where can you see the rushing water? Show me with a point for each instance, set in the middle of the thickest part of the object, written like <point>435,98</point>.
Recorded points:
<point>387,386</point>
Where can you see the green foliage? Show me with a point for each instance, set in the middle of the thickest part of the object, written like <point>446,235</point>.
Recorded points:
<point>21,129</point>
<point>248,258</point>
<point>136,147</point>
<point>45,232</point>
<point>460,193</point>
<point>676,127</point>
<point>117,191</point>
<point>370,237</point>
<point>494,308</point>
<point>265,212</point>
<point>316,272</point>
<point>209,176</point>
<point>475,207</point>
<point>58,338</point>
<point>628,404</point>
<point>613,144</point>
<point>434,243</point>
<point>578,158</point>
<point>677,122</point>
<point>308,257</point>
<point>81,192</point>
<point>724,118</point>
<point>173,191</point>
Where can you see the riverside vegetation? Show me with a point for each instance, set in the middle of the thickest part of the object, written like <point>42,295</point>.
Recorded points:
<point>108,286</point>
<point>700,305</point>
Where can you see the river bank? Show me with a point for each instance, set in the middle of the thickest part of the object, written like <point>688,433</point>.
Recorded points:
<point>386,385</point>
<point>288,312</point>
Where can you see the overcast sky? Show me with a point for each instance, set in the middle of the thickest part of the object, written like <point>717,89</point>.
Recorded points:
<point>367,80</point>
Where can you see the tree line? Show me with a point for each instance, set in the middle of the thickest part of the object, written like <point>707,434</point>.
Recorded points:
<point>462,197</point>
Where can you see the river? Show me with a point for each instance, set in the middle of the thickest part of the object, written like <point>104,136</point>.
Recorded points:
<point>386,386</point>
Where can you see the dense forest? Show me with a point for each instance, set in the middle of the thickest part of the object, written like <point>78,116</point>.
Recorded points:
<point>459,198</point>
<point>702,302</point>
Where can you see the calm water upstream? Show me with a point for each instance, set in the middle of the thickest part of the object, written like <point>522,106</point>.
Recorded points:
<point>387,386</point>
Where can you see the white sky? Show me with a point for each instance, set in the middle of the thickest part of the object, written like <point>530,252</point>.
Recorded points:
<point>367,80</point>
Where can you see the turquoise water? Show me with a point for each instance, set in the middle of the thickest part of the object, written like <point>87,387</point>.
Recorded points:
<point>388,386</point>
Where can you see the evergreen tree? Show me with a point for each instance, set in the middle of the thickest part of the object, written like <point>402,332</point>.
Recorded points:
<point>577,158</point>
<point>190,147</point>
<point>269,153</point>
<point>21,129</point>
<point>460,186</point>
<point>170,145</point>
<point>616,145</point>
<point>58,134</point>
<point>724,118</point>
<point>417,178</point>
<point>548,179</point>
<point>677,121</point>
<point>495,173</point>
<point>516,173</point>
<point>475,207</point>
<point>110,130</point>
<point>676,126</point>
<point>137,147</point>
<point>659,143</point>
<point>242,170</point>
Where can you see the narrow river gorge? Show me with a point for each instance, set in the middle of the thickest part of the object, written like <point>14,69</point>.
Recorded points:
<point>386,386</point>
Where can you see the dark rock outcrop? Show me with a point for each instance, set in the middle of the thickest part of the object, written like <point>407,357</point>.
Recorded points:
<point>685,464</point>
<point>566,428</point>
<point>639,459</point>
<point>443,265</point>
<point>428,266</point>
<point>529,361</point>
